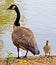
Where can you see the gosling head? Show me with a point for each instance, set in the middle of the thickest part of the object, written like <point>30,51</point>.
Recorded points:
<point>13,7</point>
<point>47,42</point>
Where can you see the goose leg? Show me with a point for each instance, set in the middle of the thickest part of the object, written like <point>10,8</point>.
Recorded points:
<point>26,54</point>
<point>45,54</point>
<point>18,52</point>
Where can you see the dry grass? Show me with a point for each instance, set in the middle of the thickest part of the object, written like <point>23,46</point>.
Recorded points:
<point>40,60</point>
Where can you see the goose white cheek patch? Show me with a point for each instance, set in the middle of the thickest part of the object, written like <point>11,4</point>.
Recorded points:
<point>13,7</point>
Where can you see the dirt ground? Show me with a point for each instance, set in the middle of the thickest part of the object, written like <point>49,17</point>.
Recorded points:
<point>37,60</point>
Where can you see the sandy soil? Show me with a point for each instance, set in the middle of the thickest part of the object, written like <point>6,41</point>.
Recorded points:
<point>40,60</point>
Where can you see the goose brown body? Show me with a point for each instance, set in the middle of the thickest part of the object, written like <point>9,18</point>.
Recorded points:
<point>23,37</point>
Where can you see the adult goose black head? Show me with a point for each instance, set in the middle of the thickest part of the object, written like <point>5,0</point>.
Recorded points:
<point>14,7</point>
<point>23,37</point>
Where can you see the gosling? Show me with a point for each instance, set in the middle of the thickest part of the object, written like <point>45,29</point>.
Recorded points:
<point>47,48</point>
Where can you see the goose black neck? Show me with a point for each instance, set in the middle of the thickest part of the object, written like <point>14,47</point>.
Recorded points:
<point>16,23</point>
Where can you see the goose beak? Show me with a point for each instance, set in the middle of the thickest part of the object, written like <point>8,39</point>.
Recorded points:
<point>8,8</point>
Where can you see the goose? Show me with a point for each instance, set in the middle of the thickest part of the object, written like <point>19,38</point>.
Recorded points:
<point>47,48</point>
<point>23,37</point>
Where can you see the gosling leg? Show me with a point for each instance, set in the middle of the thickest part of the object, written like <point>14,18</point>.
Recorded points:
<point>49,53</point>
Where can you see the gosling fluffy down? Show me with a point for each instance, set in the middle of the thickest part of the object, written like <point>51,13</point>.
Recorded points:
<point>47,48</point>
